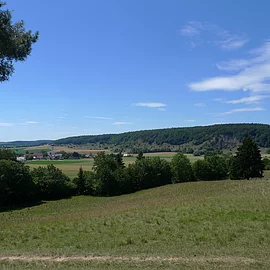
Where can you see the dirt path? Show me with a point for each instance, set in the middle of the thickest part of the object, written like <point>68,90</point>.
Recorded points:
<point>64,258</point>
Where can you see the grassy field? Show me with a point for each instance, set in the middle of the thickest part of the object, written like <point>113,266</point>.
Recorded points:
<point>71,167</point>
<point>202,225</point>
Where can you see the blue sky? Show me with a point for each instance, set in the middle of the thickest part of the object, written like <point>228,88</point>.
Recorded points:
<point>104,66</point>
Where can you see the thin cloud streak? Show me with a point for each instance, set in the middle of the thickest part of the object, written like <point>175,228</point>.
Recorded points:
<point>151,104</point>
<point>248,100</point>
<point>122,123</point>
<point>201,104</point>
<point>243,110</point>
<point>6,124</point>
<point>99,117</point>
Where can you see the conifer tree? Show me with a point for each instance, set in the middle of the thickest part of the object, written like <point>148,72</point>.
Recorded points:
<point>247,163</point>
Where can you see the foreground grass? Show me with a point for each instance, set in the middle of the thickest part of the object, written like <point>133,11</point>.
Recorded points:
<point>203,220</point>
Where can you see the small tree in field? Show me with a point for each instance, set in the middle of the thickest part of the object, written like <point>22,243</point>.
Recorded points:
<point>247,163</point>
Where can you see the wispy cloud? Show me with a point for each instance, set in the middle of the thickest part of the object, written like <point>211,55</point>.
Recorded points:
<point>204,32</point>
<point>231,42</point>
<point>6,124</point>
<point>253,74</point>
<point>243,110</point>
<point>122,123</point>
<point>189,121</point>
<point>151,105</point>
<point>201,104</point>
<point>192,28</point>
<point>248,100</point>
<point>162,109</point>
<point>29,123</point>
<point>99,117</point>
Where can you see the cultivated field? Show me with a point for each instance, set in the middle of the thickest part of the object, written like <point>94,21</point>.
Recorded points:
<point>63,148</point>
<point>71,167</point>
<point>202,225</point>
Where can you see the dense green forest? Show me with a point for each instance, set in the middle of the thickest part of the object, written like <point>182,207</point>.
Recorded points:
<point>187,139</point>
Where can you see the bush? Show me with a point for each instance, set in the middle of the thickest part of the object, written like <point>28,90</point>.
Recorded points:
<point>181,169</point>
<point>149,172</point>
<point>16,185</point>
<point>52,183</point>
<point>213,167</point>
<point>266,163</point>
<point>201,169</point>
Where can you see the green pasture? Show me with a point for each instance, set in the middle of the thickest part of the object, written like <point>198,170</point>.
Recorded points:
<point>206,225</point>
<point>22,150</point>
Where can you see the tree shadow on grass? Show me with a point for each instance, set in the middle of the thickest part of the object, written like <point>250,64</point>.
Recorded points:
<point>11,208</point>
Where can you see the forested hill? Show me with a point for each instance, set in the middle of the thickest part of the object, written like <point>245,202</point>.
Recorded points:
<point>216,136</point>
<point>25,143</point>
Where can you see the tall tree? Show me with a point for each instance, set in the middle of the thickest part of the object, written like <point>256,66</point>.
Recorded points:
<point>15,43</point>
<point>119,160</point>
<point>140,156</point>
<point>247,163</point>
<point>7,154</point>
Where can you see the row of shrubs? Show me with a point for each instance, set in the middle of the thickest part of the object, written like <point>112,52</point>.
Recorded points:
<point>109,176</point>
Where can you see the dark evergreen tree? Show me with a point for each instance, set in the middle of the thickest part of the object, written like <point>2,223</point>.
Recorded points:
<point>247,163</point>
<point>140,156</point>
<point>80,182</point>
<point>119,160</point>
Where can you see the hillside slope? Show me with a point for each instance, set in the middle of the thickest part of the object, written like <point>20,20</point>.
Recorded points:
<point>215,137</point>
<point>217,225</point>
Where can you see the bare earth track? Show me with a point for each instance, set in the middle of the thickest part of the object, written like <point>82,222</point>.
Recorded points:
<point>201,260</point>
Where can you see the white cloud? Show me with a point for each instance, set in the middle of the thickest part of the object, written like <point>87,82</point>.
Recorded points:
<point>99,117</point>
<point>189,121</point>
<point>6,124</point>
<point>162,109</point>
<point>151,105</point>
<point>122,123</point>
<point>201,104</point>
<point>253,74</point>
<point>248,100</point>
<point>243,110</point>
<point>203,32</point>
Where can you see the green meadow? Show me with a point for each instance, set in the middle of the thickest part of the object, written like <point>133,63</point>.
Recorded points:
<point>199,225</point>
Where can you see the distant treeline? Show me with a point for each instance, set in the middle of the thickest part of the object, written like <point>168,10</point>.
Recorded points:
<point>25,143</point>
<point>215,136</point>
